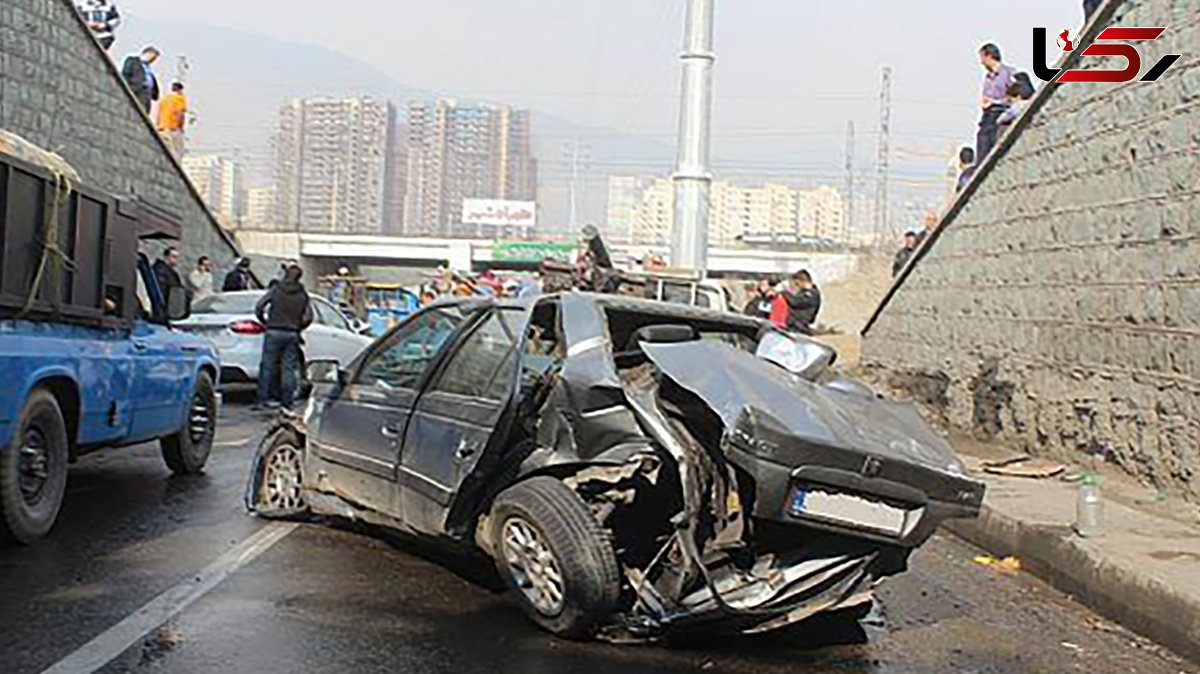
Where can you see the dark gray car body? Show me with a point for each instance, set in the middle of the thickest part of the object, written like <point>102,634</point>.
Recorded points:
<point>698,456</point>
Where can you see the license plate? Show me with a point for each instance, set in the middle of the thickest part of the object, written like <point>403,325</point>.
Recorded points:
<point>849,510</point>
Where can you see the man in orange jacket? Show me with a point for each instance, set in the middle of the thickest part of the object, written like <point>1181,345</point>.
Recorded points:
<point>172,117</point>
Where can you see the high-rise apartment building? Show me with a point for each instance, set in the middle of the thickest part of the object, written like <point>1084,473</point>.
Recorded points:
<point>334,165</point>
<point>218,181</point>
<point>642,211</point>
<point>822,213</point>
<point>758,213</point>
<point>259,211</point>
<point>455,152</point>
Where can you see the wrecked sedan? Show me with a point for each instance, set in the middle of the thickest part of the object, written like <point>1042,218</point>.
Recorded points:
<point>633,467</point>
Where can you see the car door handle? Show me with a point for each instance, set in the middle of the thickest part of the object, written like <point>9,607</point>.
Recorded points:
<point>390,432</point>
<point>140,346</point>
<point>466,449</point>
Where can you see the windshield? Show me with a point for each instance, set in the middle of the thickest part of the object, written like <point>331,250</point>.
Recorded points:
<point>231,303</point>
<point>799,356</point>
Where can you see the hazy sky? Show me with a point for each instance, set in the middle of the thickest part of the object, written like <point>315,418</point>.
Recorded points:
<point>790,73</point>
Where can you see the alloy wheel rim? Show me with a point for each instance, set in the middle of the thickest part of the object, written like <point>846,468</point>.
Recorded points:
<point>33,465</point>
<point>284,479</point>
<point>534,568</point>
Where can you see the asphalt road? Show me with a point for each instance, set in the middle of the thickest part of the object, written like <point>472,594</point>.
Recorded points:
<point>328,599</point>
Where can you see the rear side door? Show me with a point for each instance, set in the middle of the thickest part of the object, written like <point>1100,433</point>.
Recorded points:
<point>455,417</point>
<point>360,431</point>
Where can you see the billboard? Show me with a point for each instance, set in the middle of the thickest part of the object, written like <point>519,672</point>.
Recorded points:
<point>531,251</point>
<point>499,213</point>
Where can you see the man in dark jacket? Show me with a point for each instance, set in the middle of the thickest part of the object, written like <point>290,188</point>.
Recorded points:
<point>903,255</point>
<point>238,278</point>
<point>286,310</point>
<point>102,19</point>
<point>166,272</point>
<point>803,298</point>
<point>139,74</point>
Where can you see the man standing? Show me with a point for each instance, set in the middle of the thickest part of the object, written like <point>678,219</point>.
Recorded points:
<point>931,222</point>
<point>905,253</point>
<point>101,18</point>
<point>761,297</point>
<point>994,100</point>
<point>803,299</point>
<point>139,75</point>
<point>201,279</point>
<point>286,310</point>
<point>172,116</point>
<point>238,278</point>
<point>966,167</point>
<point>166,272</point>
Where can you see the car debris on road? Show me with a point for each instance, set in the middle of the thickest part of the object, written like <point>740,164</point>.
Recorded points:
<point>634,468</point>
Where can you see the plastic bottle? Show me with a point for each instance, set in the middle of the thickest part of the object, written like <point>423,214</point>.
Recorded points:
<point>1089,508</point>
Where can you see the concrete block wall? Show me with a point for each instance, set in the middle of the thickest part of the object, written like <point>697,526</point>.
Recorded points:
<point>1060,309</point>
<point>60,91</point>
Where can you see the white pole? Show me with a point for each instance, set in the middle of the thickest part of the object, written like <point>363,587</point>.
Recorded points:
<point>693,176</point>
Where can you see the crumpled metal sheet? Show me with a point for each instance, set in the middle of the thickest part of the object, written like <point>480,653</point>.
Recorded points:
<point>731,380</point>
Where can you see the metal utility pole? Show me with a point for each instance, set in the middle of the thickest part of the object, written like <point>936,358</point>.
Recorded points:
<point>693,175</point>
<point>883,162</point>
<point>849,209</point>
<point>572,151</point>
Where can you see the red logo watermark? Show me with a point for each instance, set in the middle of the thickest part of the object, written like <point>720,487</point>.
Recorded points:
<point>1113,35</point>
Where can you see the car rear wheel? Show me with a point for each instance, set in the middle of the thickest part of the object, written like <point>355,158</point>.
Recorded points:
<point>33,470</point>
<point>555,555</point>
<point>281,479</point>
<point>187,451</point>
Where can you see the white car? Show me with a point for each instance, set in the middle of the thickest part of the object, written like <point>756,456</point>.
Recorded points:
<point>228,321</point>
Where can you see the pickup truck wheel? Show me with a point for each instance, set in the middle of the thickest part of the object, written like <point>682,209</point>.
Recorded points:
<point>187,451</point>
<point>555,555</point>
<point>33,470</point>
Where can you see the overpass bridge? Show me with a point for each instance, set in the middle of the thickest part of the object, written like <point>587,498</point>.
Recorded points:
<point>322,250</point>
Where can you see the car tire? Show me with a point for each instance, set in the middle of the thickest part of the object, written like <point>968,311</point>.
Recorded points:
<point>33,470</point>
<point>555,556</point>
<point>187,451</point>
<point>280,482</point>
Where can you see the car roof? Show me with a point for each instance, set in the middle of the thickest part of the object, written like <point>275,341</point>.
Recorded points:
<point>618,302</point>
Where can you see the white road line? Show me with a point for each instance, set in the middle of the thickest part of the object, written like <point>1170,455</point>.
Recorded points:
<point>115,640</point>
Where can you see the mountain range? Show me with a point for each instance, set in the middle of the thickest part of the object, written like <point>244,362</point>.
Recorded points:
<point>236,82</point>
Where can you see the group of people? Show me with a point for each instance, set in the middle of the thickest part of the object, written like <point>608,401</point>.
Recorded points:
<point>199,282</point>
<point>792,304</point>
<point>137,69</point>
<point>1005,94</point>
<point>285,309</point>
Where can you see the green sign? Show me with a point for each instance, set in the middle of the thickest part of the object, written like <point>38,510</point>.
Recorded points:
<point>531,251</point>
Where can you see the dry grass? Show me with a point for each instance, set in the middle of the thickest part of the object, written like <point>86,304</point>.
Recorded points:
<point>849,303</point>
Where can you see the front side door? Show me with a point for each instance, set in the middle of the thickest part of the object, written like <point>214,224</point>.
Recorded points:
<point>161,384</point>
<point>360,431</point>
<point>455,417</point>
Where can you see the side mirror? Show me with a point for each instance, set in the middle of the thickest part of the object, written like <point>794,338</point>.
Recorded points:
<point>361,327</point>
<point>326,371</point>
<point>179,304</point>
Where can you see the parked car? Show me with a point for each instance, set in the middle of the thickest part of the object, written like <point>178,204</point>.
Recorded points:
<point>88,356</point>
<point>633,467</point>
<point>227,320</point>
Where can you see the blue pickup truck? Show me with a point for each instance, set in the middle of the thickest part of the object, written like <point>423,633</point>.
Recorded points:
<point>93,362</point>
